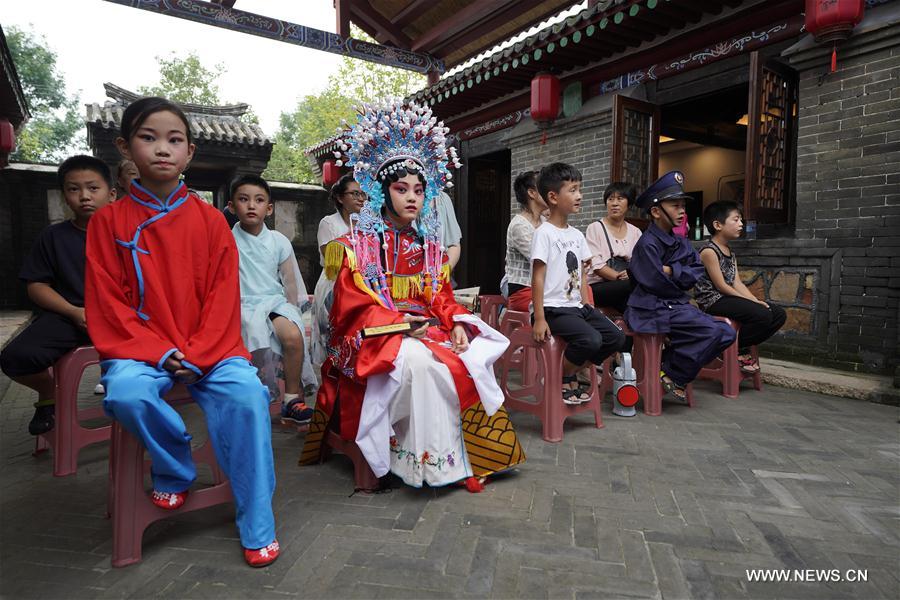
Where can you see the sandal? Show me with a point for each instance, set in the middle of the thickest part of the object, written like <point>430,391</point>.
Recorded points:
<point>572,395</point>
<point>671,387</point>
<point>747,364</point>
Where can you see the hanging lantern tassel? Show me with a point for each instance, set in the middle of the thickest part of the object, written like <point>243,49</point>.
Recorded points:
<point>833,59</point>
<point>544,137</point>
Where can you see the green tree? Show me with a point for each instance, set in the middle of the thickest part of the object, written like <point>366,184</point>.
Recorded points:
<point>186,80</point>
<point>55,124</point>
<point>317,116</point>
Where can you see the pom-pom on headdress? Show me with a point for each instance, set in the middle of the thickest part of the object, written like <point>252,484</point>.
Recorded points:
<point>390,136</point>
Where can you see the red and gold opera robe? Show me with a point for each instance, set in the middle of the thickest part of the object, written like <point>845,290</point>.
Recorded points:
<point>185,295</point>
<point>490,441</point>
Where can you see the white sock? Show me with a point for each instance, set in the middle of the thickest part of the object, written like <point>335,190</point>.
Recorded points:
<point>289,397</point>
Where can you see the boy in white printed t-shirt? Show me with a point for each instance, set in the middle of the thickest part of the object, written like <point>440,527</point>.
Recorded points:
<point>559,287</point>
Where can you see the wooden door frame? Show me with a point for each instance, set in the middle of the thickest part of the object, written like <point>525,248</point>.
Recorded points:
<point>620,105</point>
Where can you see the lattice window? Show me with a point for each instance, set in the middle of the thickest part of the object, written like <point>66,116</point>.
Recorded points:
<point>635,152</point>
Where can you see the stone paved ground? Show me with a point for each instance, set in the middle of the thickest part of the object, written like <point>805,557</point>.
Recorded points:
<point>677,506</point>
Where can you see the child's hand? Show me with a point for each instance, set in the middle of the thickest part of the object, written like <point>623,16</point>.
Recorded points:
<point>622,275</point>
<point>77,317</point>
<point>459,339</point>
<point>540,330</point>
<point>667,270</point>
<point>416,333</point>
<point>763,303</point>
<point>174,365</point>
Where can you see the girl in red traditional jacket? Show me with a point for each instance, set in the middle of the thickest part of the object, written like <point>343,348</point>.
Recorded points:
<point>162,302</point>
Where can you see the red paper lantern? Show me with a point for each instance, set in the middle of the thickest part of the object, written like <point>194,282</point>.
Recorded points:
<point>544,98</point>
<point>833,20</point>
<point>7,137</point>
<point>330,173</point>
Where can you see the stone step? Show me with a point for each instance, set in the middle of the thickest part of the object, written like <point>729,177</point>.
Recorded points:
<point>860,386</point>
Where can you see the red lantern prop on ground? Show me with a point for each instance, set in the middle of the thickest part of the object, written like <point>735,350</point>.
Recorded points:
<point>833,21</point>
<point>330,173</point>
<point>544,101</point>
<point>7,137</point>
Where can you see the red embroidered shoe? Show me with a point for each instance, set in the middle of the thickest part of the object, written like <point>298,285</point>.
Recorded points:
<point>168,500</point>
<point>262,557</point>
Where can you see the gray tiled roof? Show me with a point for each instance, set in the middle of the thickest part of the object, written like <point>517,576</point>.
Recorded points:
<point>217,124</point>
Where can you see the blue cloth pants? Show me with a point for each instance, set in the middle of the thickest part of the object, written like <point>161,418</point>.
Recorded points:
<point>236,406</point>
<point>695,339</point>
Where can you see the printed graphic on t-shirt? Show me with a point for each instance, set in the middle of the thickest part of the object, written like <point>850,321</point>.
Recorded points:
<point>574,282</point>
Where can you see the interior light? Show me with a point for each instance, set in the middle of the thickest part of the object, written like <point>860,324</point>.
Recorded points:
<point>664,138</point>
<point>745,120</point>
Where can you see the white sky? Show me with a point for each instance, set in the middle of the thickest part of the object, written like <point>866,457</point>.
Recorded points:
<point>97,41</point>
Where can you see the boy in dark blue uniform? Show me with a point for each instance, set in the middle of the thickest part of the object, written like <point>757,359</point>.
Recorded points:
<point>664,267</point>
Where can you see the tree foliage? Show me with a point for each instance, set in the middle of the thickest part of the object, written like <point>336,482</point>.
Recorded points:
<point>186,80</point>
<point>317,116</point>
<point>55,124</point>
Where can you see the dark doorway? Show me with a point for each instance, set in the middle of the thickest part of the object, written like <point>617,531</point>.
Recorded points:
<point>484,246</point>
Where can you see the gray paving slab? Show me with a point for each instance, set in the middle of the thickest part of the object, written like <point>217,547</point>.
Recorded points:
<point>670,507</point>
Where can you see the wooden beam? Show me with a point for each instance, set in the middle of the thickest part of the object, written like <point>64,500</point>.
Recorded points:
<point>500,17</point>
<point>470,14</point>
<point>408,13</point>
<point>241,21</point>
<point>342,15</point>
<point>386,32</point>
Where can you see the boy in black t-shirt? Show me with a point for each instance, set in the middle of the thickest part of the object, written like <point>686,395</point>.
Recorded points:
<point>54,276</point>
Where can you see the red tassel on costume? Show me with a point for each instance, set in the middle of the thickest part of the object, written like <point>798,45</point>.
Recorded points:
<point>474,485</point>
<point>833,59</point>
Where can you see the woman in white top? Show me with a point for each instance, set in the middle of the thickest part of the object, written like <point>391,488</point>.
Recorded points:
<point>611,240</point>
<point>348,198</point>
<point>518,240</point>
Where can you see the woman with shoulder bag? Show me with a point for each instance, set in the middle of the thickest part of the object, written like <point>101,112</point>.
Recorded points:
<point>611,240</point>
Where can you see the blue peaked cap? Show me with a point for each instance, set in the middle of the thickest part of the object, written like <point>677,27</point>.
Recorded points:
<point>667,187</point>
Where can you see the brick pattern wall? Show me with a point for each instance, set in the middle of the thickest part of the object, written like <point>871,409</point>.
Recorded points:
<point>848,192</point>
<point>23,214</point>
<point>583,143</point>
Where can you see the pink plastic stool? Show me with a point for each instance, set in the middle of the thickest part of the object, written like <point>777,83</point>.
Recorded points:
<point>130,506</point>
<point>545,384</point>
<point>363,476</point>
<point>647,360</point>
<point>726,369</point>
<point>68,437</point>
<point>490,309</point>
<point>524,358</point>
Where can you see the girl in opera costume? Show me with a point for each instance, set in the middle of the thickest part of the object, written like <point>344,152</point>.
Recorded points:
<point>423,404</point>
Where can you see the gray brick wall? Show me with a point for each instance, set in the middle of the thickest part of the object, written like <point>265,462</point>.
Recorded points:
<point>848,186</point>
<point>584,142</point>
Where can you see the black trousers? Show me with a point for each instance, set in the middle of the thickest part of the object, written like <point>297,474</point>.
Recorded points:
<point>41,344</point>
<point>589,335</point>
<point>758,323</point>
<point>613,294</point>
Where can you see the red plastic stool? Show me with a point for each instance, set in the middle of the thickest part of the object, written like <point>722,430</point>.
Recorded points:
<point>68,437</point>
<point>726,369</point>
<point>363,476</point>
<point>523,358</point>
<point>130,506</point>
<point>545,384</point>
<point>491,305</point>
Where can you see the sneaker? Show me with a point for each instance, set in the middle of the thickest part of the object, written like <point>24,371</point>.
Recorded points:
<point>168,500</point>
<point>262,557</point>
<point>43,419</point>
<point>99,389</point>
<point>297,411</point>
